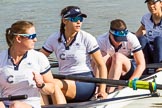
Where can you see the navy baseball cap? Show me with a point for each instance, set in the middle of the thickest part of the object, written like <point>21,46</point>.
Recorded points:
<point>152,1</point>
<point>74,12</point>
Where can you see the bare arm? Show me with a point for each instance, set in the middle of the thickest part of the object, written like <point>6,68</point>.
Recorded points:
<point>51,88</point>
<point>97,57</point>
<point>140,61</point>
<point>46,79</point>
<point>141,31</point>
<point>2,105</point>
<point>95,68</point>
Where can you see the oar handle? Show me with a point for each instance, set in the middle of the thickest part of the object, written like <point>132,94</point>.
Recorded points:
<point>139,84</point>
<point>17,97</point>
<point>144,85</point>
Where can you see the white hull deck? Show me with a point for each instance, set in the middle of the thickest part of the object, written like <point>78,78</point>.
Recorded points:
<point>135,98</point>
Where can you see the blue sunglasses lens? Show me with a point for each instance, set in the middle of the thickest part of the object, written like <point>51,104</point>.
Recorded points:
<point>120,33</point>
<point>29,36</point>
<point>75,19</point>
<point>32,36</point>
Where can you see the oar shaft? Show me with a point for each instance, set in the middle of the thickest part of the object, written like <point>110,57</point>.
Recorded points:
<point>54,64</point>
<point>92,80</point>
<point>158,86</point>
<point>154,65</point>
<point>139,84</point>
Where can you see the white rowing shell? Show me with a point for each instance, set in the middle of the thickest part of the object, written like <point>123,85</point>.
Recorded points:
<point>122,97</point>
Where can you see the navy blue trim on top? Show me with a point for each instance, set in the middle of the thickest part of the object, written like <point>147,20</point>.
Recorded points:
<point>142,24</point>
<point>46,50</point>
<point>155,25</point>
<point>45,71</point>
<point>137,50</point>
<point>16,66</point>
<point>6,106</point>
<point>67,46</point>
<point>117,49</point>
<point>94,50</point>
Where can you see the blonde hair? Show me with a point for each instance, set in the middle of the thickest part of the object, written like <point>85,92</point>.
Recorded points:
<point>19,27</point>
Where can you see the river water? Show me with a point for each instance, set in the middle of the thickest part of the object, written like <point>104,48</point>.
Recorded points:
<point>45,15</point>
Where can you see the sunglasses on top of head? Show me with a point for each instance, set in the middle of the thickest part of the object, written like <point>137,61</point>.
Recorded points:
<point>119,33</point>
<point>29,36</point>
<point>75,19</point>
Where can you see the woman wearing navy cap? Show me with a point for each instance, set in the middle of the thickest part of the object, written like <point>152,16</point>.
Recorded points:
<point>150,32</point>
<point>117,47</point>
<point>74,48</point>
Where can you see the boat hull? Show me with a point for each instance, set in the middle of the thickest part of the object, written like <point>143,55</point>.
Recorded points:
<point>124,98</point>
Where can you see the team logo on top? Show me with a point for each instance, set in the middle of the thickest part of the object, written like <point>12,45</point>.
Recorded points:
<point>10,79</point>
<point>77,45</point>
<point>29,63</point>
<point>62,56</point>
<point>149,33</point>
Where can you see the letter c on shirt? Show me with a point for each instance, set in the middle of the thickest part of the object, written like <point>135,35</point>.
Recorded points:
<point>10,79</point>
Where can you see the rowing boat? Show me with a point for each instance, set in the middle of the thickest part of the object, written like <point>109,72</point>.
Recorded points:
<point>134,95</point>
<point>120,98</point>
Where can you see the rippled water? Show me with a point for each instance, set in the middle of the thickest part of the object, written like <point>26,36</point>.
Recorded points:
<point>45,15</point>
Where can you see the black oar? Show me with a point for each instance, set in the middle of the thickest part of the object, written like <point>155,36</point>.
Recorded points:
<point>129,83</point>
<point>154,65</point>
<point>92,80</point>
<point>17,97</point>
<point>54,64</point>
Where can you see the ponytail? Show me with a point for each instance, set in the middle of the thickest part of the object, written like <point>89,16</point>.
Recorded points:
<point>9,37</point>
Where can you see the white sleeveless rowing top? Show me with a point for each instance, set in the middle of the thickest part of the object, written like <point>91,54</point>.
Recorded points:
<point>152,30</point>
<point>18,79</point>
<point>127,47</point>
<point>74,58</point>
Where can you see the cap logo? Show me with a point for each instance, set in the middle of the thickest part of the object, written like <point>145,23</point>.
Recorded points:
<point>68,13</point>
<point>77,10</point>
<point>73,13</point>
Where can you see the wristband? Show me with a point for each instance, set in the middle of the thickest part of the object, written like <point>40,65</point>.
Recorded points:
<point>41,86</point>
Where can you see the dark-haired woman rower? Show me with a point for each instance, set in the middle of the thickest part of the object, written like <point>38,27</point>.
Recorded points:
<point>74,48</point>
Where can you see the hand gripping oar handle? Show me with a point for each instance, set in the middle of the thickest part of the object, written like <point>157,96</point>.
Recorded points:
<point>17,97</point>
